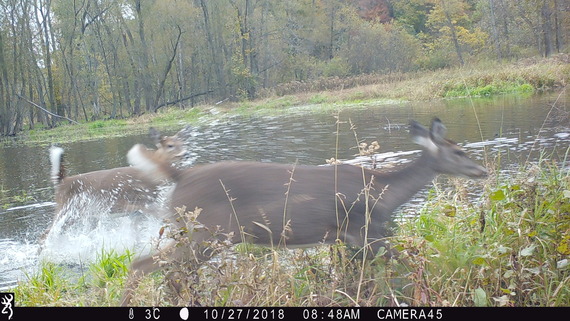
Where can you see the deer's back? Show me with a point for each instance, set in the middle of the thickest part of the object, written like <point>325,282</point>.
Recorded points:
<point>301,203</point>
<point>122,186</point>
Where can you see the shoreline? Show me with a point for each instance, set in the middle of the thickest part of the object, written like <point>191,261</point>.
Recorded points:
<point>526,77</point>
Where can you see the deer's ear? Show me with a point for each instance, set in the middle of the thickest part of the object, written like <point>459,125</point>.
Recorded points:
<point>437,130</point>
<point>422,136</point>
<point>154,135</point>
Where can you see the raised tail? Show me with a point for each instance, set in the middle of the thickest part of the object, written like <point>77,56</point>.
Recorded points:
<point>57,168</point>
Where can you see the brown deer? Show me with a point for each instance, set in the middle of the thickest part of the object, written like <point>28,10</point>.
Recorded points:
<point>124,189</point>
<point>300,206</point>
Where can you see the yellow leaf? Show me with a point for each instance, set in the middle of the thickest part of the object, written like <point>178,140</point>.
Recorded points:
<point>533,233</point>
<point>563,247</point>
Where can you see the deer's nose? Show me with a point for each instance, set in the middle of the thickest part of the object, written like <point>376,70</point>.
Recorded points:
<point>479,172</point>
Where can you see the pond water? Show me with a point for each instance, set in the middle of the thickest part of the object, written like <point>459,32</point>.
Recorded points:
<point>519,129</point>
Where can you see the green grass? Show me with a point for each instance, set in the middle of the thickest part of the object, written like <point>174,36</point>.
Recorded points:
<point>98,284</point>
<point>14,198</point>
<point>512,250</point>
<point>319,98</point>
<point>176,117</point>
<point>100,129</point>
<point>509,248</point>
<point>109,266</point>
<point>488,90</point>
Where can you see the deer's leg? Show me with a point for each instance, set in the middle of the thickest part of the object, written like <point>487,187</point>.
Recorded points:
<point>181,258</point>
<point>184,263</point>
<point>138,269</point>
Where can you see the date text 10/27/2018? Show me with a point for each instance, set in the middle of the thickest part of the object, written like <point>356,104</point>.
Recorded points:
<point>322,314</point>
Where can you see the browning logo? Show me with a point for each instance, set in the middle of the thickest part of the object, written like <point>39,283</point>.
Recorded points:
<point>7,302</point>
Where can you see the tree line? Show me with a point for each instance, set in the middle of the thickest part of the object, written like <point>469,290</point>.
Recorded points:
<point>78,60</point>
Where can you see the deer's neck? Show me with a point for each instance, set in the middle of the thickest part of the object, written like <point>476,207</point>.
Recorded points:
<point>401,186</point>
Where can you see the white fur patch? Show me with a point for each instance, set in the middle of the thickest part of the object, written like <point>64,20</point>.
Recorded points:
<point>426,142</point>
<point>138,158</point>
<point>55,154</point>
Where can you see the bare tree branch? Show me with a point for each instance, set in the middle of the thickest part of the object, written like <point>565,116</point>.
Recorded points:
<point>168,103</point>
<point>167,68</point>
<point>43,109</point>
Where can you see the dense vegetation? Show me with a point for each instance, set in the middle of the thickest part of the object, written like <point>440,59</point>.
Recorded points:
<point>99,59</point>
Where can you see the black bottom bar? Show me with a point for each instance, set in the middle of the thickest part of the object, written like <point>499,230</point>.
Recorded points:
<point>277,313</point>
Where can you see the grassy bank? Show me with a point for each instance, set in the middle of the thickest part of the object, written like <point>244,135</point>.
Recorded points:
<point>483,79</point>
<point>511,248</point>
<point>172,119</point>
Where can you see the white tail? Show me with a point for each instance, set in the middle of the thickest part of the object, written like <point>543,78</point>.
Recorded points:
<point>127,189</point>
<point>57,168</point>
<point>300,206</point>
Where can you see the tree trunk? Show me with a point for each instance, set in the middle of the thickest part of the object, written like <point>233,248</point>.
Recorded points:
<point>547,29</point>
<point>496,40</point>
<point>45,25</point>
<point>453,33</point>
<point>5,103</point>
<point>216,61</point>
<point>166,71</point>
<point>557,27</point>
<point>144,65</point>
<point>331,30</point>
<point>127,42</point>
<point>506,34</point>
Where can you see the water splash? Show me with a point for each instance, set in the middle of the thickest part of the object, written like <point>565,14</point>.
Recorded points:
<point>15,258</point>
<point>78,234</point>
<point>87,225</point>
